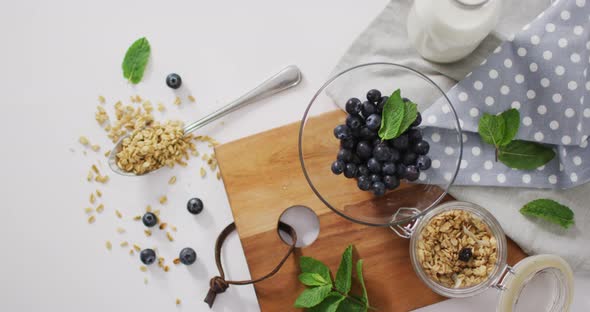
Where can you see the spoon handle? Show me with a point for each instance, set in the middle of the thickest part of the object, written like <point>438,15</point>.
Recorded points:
<point>289,77</point>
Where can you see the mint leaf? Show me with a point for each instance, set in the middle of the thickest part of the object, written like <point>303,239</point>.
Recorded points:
<point>491,129</point>
<point>311,265</point>
<point>359,274</point>
<point>549,210</point>
<point>313,279</point>
<point>312,296</point>
<point>512,123</point>
<point>344,274</point>
<point>351,305</point>
<point>136,60</point>
<point>525,155</point>
<point>392,116</point>
<point>410,114</point>
<point>330,304</point>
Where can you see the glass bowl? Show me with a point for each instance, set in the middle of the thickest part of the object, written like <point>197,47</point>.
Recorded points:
<point>318,147</point>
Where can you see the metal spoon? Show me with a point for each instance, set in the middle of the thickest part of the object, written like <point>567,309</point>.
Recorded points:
<point>289,77</point>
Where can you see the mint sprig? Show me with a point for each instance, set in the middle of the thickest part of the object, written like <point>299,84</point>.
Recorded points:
<point>135,60</point>
<point>325,295</point>
<point>549,210</point>
<point>397,116</point>
<point>500,131</point>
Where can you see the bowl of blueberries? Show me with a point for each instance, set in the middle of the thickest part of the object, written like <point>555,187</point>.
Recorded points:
<point>365,150</point>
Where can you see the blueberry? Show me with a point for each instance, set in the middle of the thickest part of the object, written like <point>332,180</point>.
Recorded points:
<point>377,141</point>
<point>355,132</point>
<point>374,165</point>
<point>401,142</point>
<point>401,171</point>
<point>412,173</point>
<point>405,99</point>
<point>409,158</point>
<point>173,81</point>
<point>338,167</point>
<point>354,122</point>
<point>356,159</point>
<point>345,155</point>
<point>389,168</point>
<point>194,205</point>
<point>374,122</point>
<point>350,170</point>
<point>395,155</point>
<point>415,135</point>
<point>364,150</point>
<point>364,183</point>
<point>423,162</point>
<point>381,152</point>
<point>422,148</point>
<point>342,132</point>
<point>373,95</point>
<point>378,188</point>
<point>363,171</point>
<point>368,109</point>
<point>348,143</point>
<point>391,182</point>
<point>465,254</point>
<point>149,219</point>
<point>147,256</point>
<point>375,178</point>
<point>381,103</point>
<point>353,106</point>
<point>367,134</point>
<point>187,256</point>
<point>418,120</point>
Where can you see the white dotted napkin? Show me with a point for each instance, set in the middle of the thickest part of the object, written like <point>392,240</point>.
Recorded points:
<point>542,72</point>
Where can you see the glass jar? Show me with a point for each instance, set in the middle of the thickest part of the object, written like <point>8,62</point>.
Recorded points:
<point>523,287</point>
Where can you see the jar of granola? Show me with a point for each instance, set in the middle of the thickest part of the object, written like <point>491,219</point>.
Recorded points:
<point>459,249</point>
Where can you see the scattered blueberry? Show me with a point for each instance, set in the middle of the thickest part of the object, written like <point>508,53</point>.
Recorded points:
<point>342,132</point>
<point>149,219</point>
<point>187,256</point>
<point>338,167</point>
<point>350,170</point>
<point>173,81</point>
<point>409,158</point>
<point>368,109</point>
<point>345,155</point>
<point>378,188</point>
<point>364,150</point>
<point>381,152</point>
<point>374,122</point>
<point>353,106</point>
<point>364,183</point>
<point>363,170</point>
<point>415,135</point>
<point>375,178</point>
<point>423,162</point>
<point>418,120</point>
<point>374,165</point>
<point>194,205</point>
<point>401,142</point>
<point>381,103</point>
<point>391,182</point>
<point>348,143</point>
<point>354,122</point>
<point>422,148</point>
<point>465,254</point>
<point>373,95</point>
<point>412,173</point>
<point>367,134</point>
<point>147,256</point>
<point>388,168</point>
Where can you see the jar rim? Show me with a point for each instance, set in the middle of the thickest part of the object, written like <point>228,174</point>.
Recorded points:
<point>495,228</point>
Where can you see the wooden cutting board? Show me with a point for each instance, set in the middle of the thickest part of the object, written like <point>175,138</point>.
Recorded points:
<point>263,177</point>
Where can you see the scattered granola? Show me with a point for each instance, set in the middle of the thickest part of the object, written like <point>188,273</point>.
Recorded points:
<point>443,238</point>
<point>102,179</point>
<point>161,107</point>
<point>84,140</point>
<point>176,261</point>
<point>119,214</point>
<point>163,225</point>
<point>148,233</point>
<point>91,219</point>
<point>124,244</point>
<point>136,247</point>
<point>95,147</point>
<point>170,238</point>
<point>192,98</point>
<point>137,218</point>
<point>107,153</point>
<point>89,176</point>
<point>101,99</point>
<point>100,208</point>
<point>172,180</point>
<point>203,172</point>
<point>92,198</point>
<point>101,116</point>
<point>178,301</point>
<point>120,230</point>
<point>109,245</point>
<point>177,101</point>
<point>163,199</point>
<point>143,268</point>
<point>95,169</point>
<point>98,193</point>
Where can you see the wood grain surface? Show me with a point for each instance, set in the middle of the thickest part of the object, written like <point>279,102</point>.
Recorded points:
<point>263,177</point>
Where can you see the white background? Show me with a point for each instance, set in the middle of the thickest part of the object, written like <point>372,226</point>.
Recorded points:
<point>57,57</point>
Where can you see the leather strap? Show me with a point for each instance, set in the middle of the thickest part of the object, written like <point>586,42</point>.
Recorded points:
<point>219,284</point>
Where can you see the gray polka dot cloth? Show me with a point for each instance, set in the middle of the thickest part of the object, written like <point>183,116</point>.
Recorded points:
<point>542,72</point>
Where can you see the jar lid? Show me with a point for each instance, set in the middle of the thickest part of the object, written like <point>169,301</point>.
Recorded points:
<point>526,286</point>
